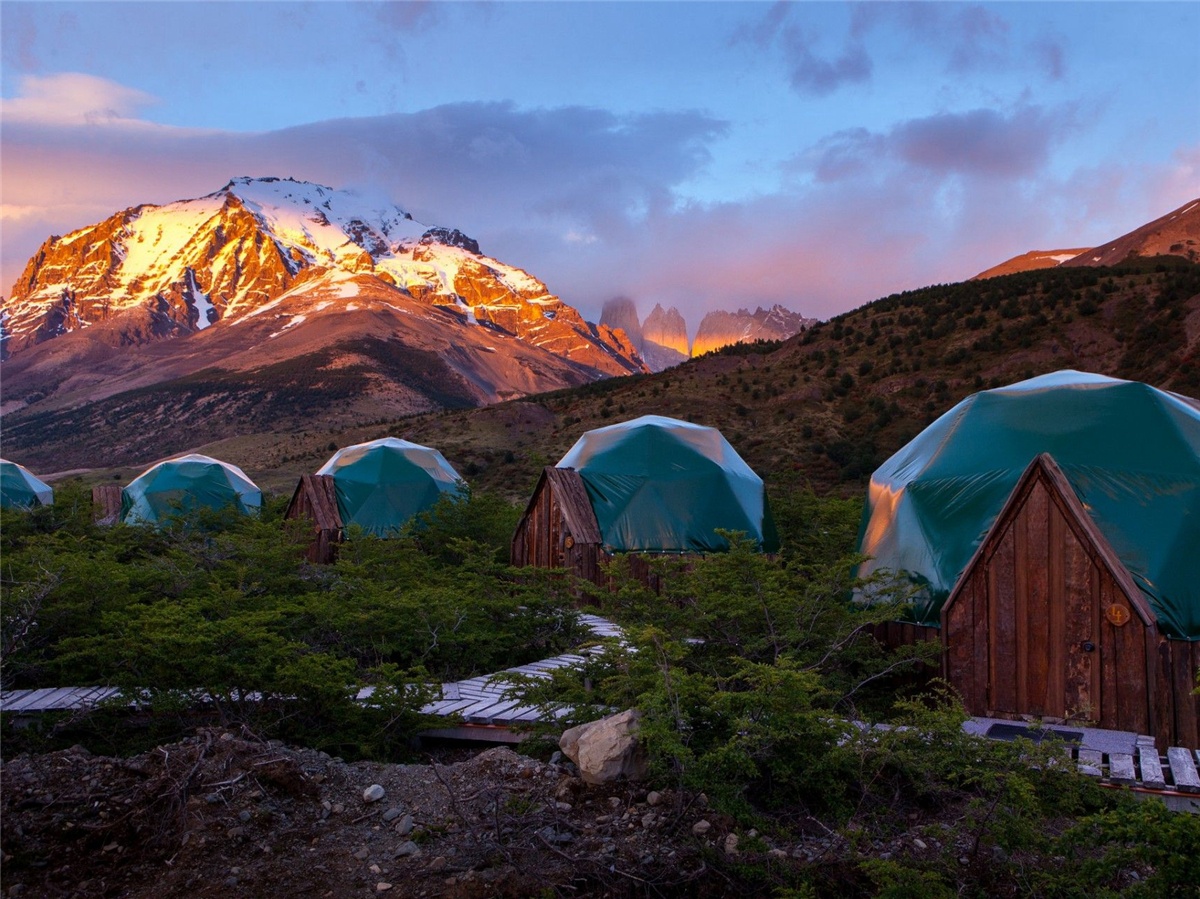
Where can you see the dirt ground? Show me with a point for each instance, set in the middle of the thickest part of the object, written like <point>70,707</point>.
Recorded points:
<point>225,814</point>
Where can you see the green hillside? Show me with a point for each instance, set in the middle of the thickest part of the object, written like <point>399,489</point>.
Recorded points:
<point>824,408</point>
<point>828,406</point>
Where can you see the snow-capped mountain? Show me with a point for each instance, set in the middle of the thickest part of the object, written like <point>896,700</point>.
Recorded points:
<point>262,258</point>
<point>180,268</point>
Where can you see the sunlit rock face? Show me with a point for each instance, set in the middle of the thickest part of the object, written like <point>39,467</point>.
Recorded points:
<point>665,337</point>
<point>720,329</point>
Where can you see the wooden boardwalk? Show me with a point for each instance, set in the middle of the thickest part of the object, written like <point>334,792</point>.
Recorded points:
<point>478,710</point>
<point>477,704</point>
<point>480,705</point>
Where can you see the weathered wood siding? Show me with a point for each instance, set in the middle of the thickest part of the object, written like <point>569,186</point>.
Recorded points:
<point>106,504</point>
<point>558,529</point>
<point>315,500</point>
<point>1046,621</point>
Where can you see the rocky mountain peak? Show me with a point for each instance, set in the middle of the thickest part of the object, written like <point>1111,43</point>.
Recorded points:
<point>621,312</point>
<point>450,237</point>
<point>718,328</point>
<point>292,253</point>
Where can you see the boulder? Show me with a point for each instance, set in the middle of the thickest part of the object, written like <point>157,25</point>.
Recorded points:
<point>608,749</point>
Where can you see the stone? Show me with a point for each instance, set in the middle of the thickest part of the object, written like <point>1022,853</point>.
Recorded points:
<point>555,837</point>
<point>406,849</point>
<point>608,749</point>
<point>362,854</point>
<point>701,827</point>
<point>405,825</point>
<point>374,793</point>
<point>731,844</point>
<point>438,863</point>
<point>392,814</point>
<point>653,797</point>
<point>920,844</point>
<point>382,887</point>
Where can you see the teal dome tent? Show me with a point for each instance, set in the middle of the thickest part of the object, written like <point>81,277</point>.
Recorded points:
<point>382,484</point>
<point>1130,452</point>
<point>658,484</point>
<point>186,483</point>
<point>21,489</point>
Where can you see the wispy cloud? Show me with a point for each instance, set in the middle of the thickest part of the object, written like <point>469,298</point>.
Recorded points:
<point>72,98</point>
<point>821,58</point>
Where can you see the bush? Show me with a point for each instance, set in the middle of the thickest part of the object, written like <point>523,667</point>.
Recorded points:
<point>225,606</point>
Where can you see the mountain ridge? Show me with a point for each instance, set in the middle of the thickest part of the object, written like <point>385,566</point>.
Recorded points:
<point>266,257</point>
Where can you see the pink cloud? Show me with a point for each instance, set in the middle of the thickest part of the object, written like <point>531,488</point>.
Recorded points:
<point>588,200</point>
<point>72,98</point>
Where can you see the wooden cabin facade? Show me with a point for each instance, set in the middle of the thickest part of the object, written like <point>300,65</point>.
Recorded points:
<point>1045,621</point>
<point>559,528</point>
<point>315,500</point>
<point>106,504</point>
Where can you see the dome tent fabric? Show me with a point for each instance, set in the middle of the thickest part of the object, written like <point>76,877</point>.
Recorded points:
<point>186,483</point>
<point>658,484</point>
<point>1130,452</point>
<point>382,484</point>
<point>21,489</point>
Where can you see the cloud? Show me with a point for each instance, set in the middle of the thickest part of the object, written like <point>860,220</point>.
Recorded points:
<point>491,169</point>
<point>590,201</point>
<point>811,74</point>
<point>979,143</point>
<point>72,98</point>
<point>819,61</point>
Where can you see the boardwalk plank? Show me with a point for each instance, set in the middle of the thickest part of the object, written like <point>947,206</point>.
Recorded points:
<point>1091,762</point>
<point>1183,770</point>
<point>1120,768</point>
<point>1151,767</point>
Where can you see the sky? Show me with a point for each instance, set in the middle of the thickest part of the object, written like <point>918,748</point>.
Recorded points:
<point>702,155</point>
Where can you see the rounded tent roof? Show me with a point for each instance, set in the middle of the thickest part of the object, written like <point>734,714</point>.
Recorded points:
<point>382,484</point>
<point>186,483</point>
<point>1130,451</point>
<point>658,484</point>
<point>21,489</point>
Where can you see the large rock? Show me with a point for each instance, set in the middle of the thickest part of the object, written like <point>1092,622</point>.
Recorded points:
<point>608,749</point>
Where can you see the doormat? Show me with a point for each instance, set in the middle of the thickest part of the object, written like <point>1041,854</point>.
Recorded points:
<point>1012,731</point>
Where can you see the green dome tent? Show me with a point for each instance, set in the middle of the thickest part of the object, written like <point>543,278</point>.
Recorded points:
<point>382,484</point>
<point>657,484</point>
<point>186,483</point>
<point>21,489</point>
<point>1130,452</point>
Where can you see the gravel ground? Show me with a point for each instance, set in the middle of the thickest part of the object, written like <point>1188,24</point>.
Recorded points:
<point>225,814</point>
